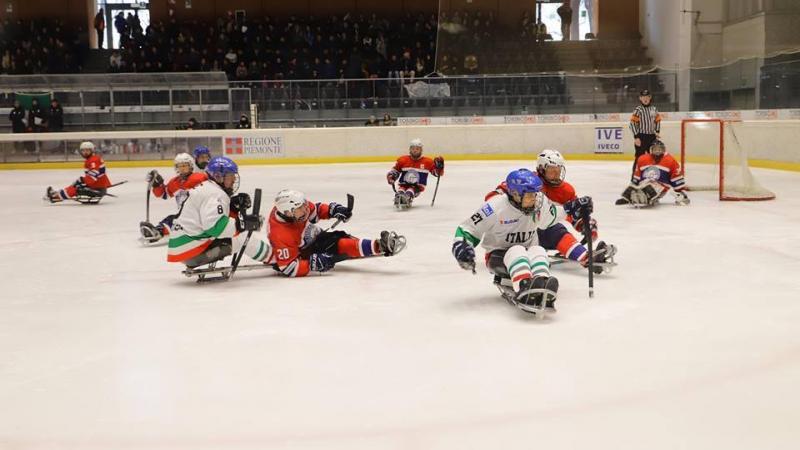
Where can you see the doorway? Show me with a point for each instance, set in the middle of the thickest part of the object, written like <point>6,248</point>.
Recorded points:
<point>135,18</point>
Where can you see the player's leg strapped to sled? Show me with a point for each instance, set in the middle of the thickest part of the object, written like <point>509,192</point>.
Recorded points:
<point>523,278</point>
<point>343,246</point>
<point>78,191</point>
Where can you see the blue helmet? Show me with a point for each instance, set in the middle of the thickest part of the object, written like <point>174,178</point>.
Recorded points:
<point>220,166</point>
<point>521,182</point>
<point>199,151</point>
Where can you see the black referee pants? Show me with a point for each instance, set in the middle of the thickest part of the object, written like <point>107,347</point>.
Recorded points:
<point>647,141</point>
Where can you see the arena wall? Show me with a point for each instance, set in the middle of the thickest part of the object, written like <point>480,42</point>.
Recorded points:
<point>769,143</point>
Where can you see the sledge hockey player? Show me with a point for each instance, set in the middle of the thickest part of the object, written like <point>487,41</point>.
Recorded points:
<point>551,169</point>
<point>656,172</point>
<point>202,155</point>
<point>212,220</point>
<point>177,187</point>
<point>410,172</point>
<point>301,247</point>
<point>510,227</point>
<point>89,188</point>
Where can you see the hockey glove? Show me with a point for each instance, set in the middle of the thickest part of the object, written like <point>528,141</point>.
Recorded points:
<point>579,225</point>
<point>392,176</point>
<point>339,212</point>
<point>681,199</point>
<point>579,207</point>
<point>154,178</point>
<point>465,254</point>
<point>438,163</point>
<point>240,202</point>
<point>321,262</point>
<point>249,222</point>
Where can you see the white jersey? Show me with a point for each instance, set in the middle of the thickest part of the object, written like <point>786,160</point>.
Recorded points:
<point>204,217</point>
<point>499,225</point>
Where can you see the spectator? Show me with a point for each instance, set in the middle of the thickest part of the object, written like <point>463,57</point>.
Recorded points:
<point>36,117</point>
<point>55,121</point>
<point>540,31</point>
<point>100,26</point>
<point>387,120</point>
<point>115,62</point>
<point>17,118</point>
<point>244,122</point>
<point>371,122</point>
<point>193,124</point>
<point>565,13</point>
<point>121,25</point>
<point>241,72</point>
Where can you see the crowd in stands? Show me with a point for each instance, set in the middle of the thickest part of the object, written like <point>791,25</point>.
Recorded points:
<point>41,46</point>
<point>291,48</point>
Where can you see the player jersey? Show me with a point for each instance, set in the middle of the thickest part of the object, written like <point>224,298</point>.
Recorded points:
<point>667,171</point>
<point>499,225</point>
<point>204,217</point>
<point>415,171</point>
<point>288,239</point>
<point>560,194</point>
<point>178,186</point>
<point>95,175</point>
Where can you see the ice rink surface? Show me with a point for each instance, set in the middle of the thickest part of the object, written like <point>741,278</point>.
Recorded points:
<point>692,342</point>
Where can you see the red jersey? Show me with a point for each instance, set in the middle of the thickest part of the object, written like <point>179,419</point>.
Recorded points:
<point>415,171</point>
<point>560,194</point>
<point>289,238</point>
<point>95,173</point>
<point>178,185</point>
<point>667,171</point>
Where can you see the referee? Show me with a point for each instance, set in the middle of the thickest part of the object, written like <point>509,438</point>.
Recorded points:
<point>645,125</point>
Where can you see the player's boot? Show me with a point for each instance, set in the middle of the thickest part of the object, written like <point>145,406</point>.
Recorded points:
<point>529,297</point>
<point>391,243</point>
<point>52,195</point>
<point>625,198</point>
<point>603,256</point>
<point>150,233</point>
<point>551,292</point>
<point>401,201</point>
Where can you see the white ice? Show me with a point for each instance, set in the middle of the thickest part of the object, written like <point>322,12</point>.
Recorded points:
<point>692,343</point>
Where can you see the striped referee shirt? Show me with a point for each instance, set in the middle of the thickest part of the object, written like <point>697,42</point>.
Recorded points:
<point>645,120</point>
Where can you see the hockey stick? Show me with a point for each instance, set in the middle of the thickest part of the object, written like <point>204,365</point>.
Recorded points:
<point>238,257</point>
<point>117,184</point>
<point>147,201</point>
<point>350,201</point>
<point>587,231</point>
<point>438,178</point>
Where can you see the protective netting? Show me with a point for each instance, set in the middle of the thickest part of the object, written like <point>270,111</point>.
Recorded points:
<point>714,158</point>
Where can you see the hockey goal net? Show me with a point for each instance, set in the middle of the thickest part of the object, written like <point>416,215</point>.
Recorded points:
<point>713,159</point>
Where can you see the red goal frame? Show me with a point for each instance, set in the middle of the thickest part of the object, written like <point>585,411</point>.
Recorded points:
<point>721,162</point>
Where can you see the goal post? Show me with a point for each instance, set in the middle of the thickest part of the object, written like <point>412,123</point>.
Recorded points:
<point>713,158</point>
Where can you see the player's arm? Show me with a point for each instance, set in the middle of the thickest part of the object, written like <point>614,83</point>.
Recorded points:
<point>394,174</point>
<point>157,182</point>
<point>676,176</point>
<point>469,234</point>
<point>635,123</point>
<point>438,167</point>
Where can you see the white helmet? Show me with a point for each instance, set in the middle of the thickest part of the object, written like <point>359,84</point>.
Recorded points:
<point>417,142</point>
<point>183,158</point>
<point>547,158</point>
<point>87,145</point>
<point>287,201</point>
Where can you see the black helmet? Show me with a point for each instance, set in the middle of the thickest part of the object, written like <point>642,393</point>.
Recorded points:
<point>645,92</point>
